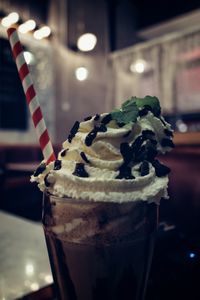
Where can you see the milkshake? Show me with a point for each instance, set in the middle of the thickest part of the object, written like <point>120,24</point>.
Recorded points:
<point>100,202</point>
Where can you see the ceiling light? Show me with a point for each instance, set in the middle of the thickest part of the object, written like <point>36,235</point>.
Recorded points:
<point>139,66</point>
<point>81,73</point>
<point>181,126</point>
<point>27,26</point>
<point>87,42</point>
<point>38,35</point>
<point>41,33</point>
<point>12,18</point>
<point>5,22</point>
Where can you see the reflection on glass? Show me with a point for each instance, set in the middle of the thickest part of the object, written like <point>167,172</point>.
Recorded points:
<point>34,286</point>
<point>29,269</point>
<point>29,57</point>
<point>48,278</point>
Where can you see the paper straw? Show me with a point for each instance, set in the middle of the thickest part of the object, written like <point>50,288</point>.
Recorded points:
<point>31,96</point>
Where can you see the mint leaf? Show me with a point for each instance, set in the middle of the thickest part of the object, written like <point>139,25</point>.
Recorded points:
<point>129,104</point>
<point>153,102</point>
<point>131,113</point>
<point>118,116</point>
<point>130,108</point>
<point>127,114</point>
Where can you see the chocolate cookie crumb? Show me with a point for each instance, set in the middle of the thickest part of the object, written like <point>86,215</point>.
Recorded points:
<point>88,118</point>
<point>80,170</point>
<point>160,169</point>
<point>106,119</point>
<point>63,153</point>
<point>39,170</point>
<point>125,172</point>
<point>168,132</point>
<point>144,168</point>
<point>167,143</point>
<point>84,157</point>
<point>96,118</point>
<point>102,128</point>
<point>57,165</point>
<point>143,112</point>
<point>91,136</point>
<point>73,131</point>
<point>46,182</point>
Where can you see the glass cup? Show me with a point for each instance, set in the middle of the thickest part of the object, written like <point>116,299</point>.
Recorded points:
<point>99,250</point>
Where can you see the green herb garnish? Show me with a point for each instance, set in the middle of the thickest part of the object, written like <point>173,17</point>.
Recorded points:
<point>153,102</point>
<point>130,108</point>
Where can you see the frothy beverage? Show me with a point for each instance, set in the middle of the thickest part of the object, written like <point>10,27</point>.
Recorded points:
<point>100,202</point>
<point>99,250</point>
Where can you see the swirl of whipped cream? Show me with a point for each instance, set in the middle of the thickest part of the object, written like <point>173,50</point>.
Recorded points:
<point>93,166</point>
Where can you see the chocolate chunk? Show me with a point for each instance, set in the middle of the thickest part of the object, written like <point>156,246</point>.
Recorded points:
<point>46,182</point>
<point>137,143</point>
<point>91,136</point>
<point>73,131</point>
<point>151,151</point>
<point>168,132</point>
<point>127,134</point>
<point>147,133</point>
<point>80,170</point>
<point>167,143</point>
<point>144,168</point>
<point>143,112</point>
<point>102,128</point>
<point>140,155</point>
<point>160,169</point>
<point>57,165</point>
<point>120,124</point>
<point>93,133</point>
<point>88,118</point>
<point>39,170</point>
<point>154,142</point>
<point>84,157</point>
<point>96,118</point>
<point>126,152</point>
<point>148,107</point>
<point>106,119</point>
<point>157,112</point>
<point>125,172</point>
<point>63,153</point>
<point>162,121</point>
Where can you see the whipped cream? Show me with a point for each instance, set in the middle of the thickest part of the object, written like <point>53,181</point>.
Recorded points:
<point>105,161</point>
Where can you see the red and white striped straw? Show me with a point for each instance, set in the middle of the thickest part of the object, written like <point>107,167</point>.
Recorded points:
<point>31,96</point>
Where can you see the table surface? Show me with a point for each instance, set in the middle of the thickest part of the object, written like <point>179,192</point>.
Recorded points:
<point>24,263</point>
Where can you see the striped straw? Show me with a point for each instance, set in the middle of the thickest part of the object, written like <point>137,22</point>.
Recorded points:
<point>31,96</point>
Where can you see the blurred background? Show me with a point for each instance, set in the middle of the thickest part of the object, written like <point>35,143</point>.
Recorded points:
<point>86,57</point>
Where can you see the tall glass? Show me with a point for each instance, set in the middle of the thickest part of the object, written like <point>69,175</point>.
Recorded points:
<point>99,250</point>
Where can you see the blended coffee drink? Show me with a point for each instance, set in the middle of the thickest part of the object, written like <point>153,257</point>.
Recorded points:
<point>100,202</point>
